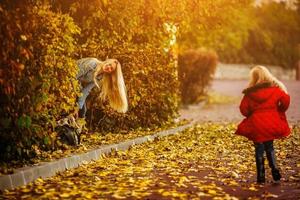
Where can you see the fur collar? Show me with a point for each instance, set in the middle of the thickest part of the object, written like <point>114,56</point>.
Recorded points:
<point>256,87</point>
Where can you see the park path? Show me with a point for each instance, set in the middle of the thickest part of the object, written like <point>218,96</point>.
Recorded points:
<point>229,112</point>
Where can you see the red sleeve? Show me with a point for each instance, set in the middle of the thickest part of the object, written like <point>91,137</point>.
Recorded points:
<point>245,107</point>
<point>283,102</point>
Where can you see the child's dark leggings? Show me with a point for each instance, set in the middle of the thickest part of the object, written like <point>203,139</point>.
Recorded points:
<point>267,147</point>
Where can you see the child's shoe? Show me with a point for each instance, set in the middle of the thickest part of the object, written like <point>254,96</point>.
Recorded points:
<point>276,175</point>
<point>261,180</point>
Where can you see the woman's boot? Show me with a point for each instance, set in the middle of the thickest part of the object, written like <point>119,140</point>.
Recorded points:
<point>82,111</point>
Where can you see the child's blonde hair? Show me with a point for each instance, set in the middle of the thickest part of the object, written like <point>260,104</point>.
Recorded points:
<point>260,74</point>
<point>112,86</point>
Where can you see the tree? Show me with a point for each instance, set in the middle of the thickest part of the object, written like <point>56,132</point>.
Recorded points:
<point>275,37</point>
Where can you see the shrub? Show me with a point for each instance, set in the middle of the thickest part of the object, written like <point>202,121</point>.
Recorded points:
<point>152,92</point>
<point>196,70</point>
<point>37,72</point>
<point>37,76</point>
<point>134,37</point>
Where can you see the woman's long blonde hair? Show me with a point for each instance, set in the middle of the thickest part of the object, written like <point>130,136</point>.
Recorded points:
<point>112,86</point>
<point>260,74</point>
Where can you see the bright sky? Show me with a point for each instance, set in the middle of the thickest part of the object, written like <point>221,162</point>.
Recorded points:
<point>290,3</point>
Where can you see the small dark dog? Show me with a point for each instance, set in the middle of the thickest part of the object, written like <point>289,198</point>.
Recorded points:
<point>69,131</point>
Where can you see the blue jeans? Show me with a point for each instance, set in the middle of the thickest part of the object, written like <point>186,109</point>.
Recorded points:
<point>81,100</point>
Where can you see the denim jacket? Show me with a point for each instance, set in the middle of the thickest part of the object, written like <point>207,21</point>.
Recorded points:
<point>86,67</point>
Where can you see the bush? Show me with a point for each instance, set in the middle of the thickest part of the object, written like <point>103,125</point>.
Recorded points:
<point>134,37</point>
<point>152,93</point>
<point>37,76</point>
<point>196,70</point>
<point>37,72</point>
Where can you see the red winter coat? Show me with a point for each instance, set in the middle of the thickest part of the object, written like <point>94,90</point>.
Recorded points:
<point>264,107</point>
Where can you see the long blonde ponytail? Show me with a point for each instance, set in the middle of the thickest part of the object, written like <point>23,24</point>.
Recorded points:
<point>113,87</point>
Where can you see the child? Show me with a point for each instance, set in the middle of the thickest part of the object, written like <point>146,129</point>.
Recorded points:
<point>107,76</point>
<point>264,105</point>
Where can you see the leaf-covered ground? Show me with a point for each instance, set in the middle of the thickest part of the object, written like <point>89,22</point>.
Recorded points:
<point>88,141</point>
<point>204,162</point>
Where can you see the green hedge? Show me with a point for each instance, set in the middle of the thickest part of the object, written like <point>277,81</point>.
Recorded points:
<point>135,38</point>
<point>37,76</point>
<point>196,70</point>
<point>37,72</point>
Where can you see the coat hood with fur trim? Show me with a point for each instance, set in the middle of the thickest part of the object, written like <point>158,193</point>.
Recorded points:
<point>257,94</point>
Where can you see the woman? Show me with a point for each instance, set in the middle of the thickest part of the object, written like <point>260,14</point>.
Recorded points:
<point>107,76</point>
<point>264,105</point>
